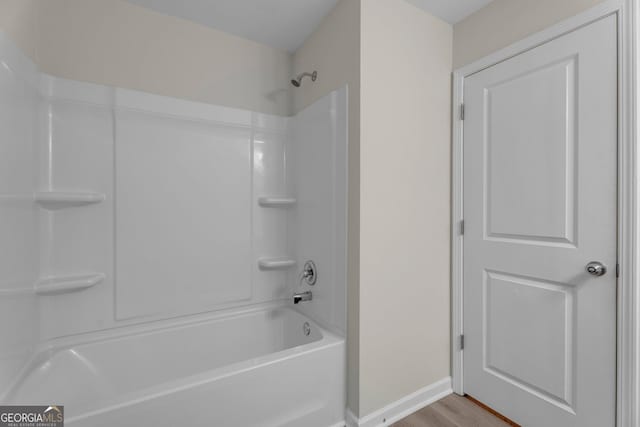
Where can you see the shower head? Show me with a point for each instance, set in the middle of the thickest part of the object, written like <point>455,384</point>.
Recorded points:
<point>298,80</point>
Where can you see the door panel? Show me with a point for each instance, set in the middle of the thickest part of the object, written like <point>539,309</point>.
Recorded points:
<point>516,155</point>
<point>540,149</point>
<point>540,360</point>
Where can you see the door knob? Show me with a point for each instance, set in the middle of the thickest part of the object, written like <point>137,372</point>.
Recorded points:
<point>596,268</point>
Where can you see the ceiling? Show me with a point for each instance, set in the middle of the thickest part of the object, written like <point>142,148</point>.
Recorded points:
<point>283,24</point>
<point>452,11</point>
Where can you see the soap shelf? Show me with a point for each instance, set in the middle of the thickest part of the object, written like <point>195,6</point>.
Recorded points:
<point>55,285</point>
<point>276,202</point>
<point>53,200</point>
<point>276,263</point>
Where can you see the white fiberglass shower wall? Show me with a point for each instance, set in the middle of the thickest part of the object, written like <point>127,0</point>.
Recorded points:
<point>19,246</point>
<point>318,163</point>
<point>136,224</point>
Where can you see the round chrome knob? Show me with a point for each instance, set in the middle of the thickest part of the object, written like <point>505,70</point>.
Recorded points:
<point>596,268</point>
<point>309,273</point>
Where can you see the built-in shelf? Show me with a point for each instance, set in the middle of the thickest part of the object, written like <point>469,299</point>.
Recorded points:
<point>66,199</point>
<point>276,202</point>
<point>276,263</point>
<point>55,285</point>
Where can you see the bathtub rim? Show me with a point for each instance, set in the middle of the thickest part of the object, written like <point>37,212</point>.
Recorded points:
<point>49,348</point>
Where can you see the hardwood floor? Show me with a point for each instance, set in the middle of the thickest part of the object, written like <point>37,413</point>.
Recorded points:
<point>452,411</point>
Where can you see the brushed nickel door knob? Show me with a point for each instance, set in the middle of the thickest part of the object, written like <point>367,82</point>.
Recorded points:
<point>596,268</point>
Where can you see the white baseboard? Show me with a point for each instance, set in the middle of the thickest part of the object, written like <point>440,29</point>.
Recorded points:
<point>405,406</point>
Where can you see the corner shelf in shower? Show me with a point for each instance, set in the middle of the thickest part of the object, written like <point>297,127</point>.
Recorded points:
<point>276,202</point>
<point>55,285</point>
<point>53,200</point>
<point>276,263</point>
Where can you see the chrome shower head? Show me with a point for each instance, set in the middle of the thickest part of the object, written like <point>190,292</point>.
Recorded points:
<point>298,80</point>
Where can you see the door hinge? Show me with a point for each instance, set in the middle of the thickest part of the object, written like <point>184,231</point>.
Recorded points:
<point>461,342</point>
<point>617,270</point>
<point>462,227</point>
<point>461,111</point>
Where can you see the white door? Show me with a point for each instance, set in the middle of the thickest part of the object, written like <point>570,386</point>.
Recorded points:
<point>540,159</point>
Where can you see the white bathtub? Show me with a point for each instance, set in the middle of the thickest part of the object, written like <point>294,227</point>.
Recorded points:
<point>255,368</point>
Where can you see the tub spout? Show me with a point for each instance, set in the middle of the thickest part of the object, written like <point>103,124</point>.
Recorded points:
<point>304,296</point>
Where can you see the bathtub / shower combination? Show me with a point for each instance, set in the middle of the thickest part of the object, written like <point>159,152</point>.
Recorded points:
<point>156,290</point>
<point>265,366</point>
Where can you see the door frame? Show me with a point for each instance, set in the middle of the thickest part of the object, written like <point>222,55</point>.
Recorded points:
<point>628,302</point>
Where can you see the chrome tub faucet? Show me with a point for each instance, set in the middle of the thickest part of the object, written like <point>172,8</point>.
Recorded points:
<point>301,297</point>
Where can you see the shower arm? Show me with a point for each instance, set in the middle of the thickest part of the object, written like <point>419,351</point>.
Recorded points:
<point>298,80</point>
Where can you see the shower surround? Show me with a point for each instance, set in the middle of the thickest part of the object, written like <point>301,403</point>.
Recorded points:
<point>152,247</point>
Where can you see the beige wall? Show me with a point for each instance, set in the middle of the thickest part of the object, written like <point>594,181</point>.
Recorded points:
<point>503,22</point>
<point>399,189</point>
<point>404,201</point>
<point>18,21</point>
<point>117,43</point>
<point>334,51</point>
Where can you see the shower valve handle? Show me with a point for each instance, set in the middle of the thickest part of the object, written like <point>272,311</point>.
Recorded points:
<point>309,273</point>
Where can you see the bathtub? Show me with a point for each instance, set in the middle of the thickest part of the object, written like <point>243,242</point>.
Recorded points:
<point>268,366</point>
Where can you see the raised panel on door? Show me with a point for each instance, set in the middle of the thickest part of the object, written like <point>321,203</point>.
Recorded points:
<point>540,138</point>
<point>541,360</point>
<point>530,125</point>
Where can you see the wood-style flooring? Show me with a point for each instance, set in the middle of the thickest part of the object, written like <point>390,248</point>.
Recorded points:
<point>452,411</point>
